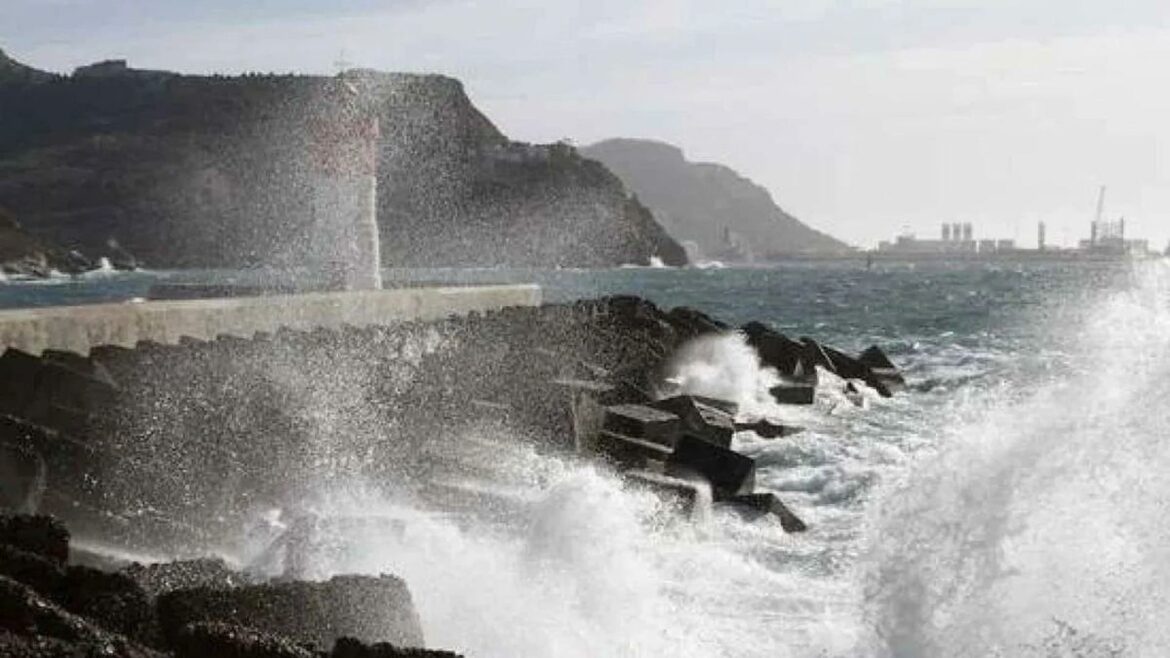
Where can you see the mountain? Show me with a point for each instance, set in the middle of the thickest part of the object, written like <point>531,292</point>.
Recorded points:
<point>216,171</point>
<point>723,214</point>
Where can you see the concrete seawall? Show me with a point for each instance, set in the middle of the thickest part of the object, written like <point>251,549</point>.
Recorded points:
<point>80,328</point>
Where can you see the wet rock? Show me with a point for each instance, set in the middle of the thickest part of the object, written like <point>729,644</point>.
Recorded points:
<point>367,608</point>
<point>35,571</point>
<point>225,640</point>
<point>883,369</point>
<point>34,626</point>
<point>790,358</point>
<point>700,420</point>
<point>22,469</point>
<point>111,600</point>
<point>643,422</point>
<point>18,381</point>
<point>759,504</point>
<point>793,393</point>
<point>814,355</point>
<point>347,647</point>
<point>40,535</point>
<point>849,368</point>
<point>730,473</point>
<point>158,579</point>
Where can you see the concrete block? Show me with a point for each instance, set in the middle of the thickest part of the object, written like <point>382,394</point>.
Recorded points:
<point>759,504</point>
<point>691,497</point>
<point>700,420</point>
<point>628,451</point>
<point>768,430</point>
<point>793,393</point>
<point>370,609</point>
<point>882,368</point>
<point>730,473</point>
<point>643,422</point>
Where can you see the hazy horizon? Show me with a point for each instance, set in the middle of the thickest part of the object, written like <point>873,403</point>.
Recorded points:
<point>863,118</point>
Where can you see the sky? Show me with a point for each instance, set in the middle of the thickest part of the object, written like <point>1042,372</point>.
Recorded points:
<point>864,118</point>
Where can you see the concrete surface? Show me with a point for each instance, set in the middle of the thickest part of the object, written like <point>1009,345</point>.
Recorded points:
<point>80,328</point>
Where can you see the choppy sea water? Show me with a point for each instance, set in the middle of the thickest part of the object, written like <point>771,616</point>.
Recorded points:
<point>1011,503</point>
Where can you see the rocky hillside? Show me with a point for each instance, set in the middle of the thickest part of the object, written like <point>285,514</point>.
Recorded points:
<point>193,171</point>
<point>23,255</point>
<point>725,215</point>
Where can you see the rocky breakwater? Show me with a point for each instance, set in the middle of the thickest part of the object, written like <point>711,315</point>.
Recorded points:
<point>52,607</point>
<point>25,256</point>
<point>172,449</point>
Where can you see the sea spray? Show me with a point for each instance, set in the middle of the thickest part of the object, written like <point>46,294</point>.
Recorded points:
<point>1039,527</point>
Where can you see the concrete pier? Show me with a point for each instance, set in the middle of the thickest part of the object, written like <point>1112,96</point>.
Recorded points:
<point>80,328</point>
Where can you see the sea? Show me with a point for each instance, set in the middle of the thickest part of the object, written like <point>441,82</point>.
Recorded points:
<point>1013,501</point>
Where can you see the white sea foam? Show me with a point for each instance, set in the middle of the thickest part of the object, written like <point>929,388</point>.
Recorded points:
<point>1039,529</point>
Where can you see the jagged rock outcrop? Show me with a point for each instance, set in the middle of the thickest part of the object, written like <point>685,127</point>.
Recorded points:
<point>212,171</point>
<point>727,216</point>
<point>23,255</point>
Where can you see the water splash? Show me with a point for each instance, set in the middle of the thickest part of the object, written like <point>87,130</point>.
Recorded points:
<point>1038,528</point>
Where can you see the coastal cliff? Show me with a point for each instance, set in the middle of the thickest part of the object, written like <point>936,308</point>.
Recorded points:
<point>725,215</point>
<point>213,171</point>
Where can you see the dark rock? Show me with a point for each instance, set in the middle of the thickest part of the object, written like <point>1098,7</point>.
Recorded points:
<point>111,600</point>
<point>730,473</point>
<point>793,393</point>
<point>347,647</point>
<point>35,571</point>
<point>225,640</point>
<point>883,369</point>
<point>158,579</point>
<point>22,469</point>
<point>630,452</point>
<point>18,380</point>
<point>850,368</point>
<point>367,608</point>
<point>643,422</point>
<point>760,504</point>
<point>700,420</point>
<point>691,323</point>
<point>40,535</point>
<point>37,627</point>
<point>815,355</point>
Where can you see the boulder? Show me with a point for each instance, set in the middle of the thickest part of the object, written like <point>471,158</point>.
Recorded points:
<point>700,420</point>
<point>793,393</point>
<point>371,609</point>
<point>730,473</point>
<point>40,535</point>
<point>726,406</point>
<point>759,504</point>
<point>35,571</point>
<point>226,640</point>
<point>814,355</point>
<point>643,422</point>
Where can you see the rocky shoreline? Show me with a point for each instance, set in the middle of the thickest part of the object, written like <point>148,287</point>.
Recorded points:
<point>166,449</point>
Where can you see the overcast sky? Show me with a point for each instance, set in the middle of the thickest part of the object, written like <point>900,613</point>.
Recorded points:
<point>863,117</point>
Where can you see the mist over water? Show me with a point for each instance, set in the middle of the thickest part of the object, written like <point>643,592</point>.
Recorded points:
<point>1010,504</point>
